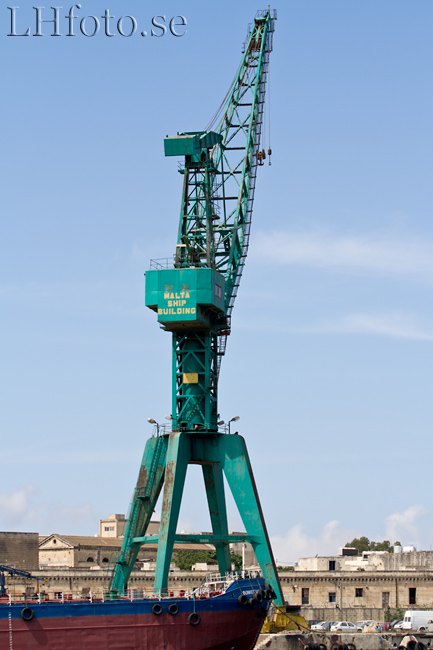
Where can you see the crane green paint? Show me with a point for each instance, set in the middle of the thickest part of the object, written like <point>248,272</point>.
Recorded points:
<point>193,299</point>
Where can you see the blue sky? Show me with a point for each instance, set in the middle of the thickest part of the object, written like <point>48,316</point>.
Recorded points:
<point>329,365</point>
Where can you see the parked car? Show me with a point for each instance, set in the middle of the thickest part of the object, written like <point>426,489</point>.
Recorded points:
<point>385,626</point>
<point>363,624</point>
<point>316,626</point>
<point>324,626</point>
<point>417,619</point>
<point>312,622</point>
<point>393,623</point>
<point>398,626</point>
<point>345,626</point>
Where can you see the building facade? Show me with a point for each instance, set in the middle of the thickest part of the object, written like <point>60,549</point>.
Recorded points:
<point>331,596</point>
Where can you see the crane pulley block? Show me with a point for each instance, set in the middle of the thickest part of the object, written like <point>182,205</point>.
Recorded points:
<point>186,297</point>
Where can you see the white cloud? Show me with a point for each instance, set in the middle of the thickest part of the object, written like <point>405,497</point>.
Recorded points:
<point>403,525</point>
<point>298,543</point>
<point>21,510</point>
<point>15,507</point>
<point>394,324</point>
<point>363,253</point>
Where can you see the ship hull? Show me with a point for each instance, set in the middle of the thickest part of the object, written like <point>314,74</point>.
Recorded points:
<point>218,623</point>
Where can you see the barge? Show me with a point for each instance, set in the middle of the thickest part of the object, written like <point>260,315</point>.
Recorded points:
<point>225,613</point>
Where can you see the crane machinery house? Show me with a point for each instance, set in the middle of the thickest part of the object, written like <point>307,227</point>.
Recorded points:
<point>184,295</point>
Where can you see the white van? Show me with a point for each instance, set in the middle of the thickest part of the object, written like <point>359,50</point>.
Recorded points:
<point>417,619</point>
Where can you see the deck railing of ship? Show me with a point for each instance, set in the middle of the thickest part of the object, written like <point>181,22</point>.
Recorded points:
<point>93,596</point>
<point>217,583</point>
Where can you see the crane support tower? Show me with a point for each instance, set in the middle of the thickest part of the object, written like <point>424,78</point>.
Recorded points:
<point>193,296</point>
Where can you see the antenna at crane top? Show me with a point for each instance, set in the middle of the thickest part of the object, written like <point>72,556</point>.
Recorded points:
<point>193,296</point>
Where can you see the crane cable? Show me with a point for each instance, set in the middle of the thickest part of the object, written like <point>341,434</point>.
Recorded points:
<point>269,115</point>
<point>218,112</point>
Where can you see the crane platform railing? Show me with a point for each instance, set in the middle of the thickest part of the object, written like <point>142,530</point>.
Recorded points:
<point>166,429</point>
<point>162,263</point>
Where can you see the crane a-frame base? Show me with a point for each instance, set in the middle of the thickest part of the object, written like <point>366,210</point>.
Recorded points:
<point>165,462</point>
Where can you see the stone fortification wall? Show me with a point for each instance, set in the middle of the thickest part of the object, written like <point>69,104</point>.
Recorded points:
<point>335,597</point>
<point>20,550</point>
<point>352,614</point>
<point>336,592</point>
<point>415,560</point>
<point>409,561</point>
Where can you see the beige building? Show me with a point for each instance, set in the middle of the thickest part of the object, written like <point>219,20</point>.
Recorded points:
<point>353,587</point>
<point>78,552</point>
<point>406,559</point>
<point>100,552</point>
<point>114,526</point>
<point>355,596</point>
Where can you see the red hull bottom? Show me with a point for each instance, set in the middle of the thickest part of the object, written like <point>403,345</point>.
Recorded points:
<point>235,630</point>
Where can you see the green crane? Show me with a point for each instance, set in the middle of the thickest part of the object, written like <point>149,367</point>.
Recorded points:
<point>193,295</point>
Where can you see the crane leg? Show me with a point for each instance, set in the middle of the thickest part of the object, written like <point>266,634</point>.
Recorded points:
<point>149,485</point>
<point>237,469</point>
<point>214,483</point>
<point>178,452</point>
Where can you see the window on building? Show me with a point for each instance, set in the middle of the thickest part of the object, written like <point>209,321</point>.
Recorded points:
<point>412,596</point>
<point>109,529</point>
<point>332,564</point>
<point>332,597</point>
<point>90,559</point>
<point>58,595</point>
<point>359,592</point>
<point>305,596</point>
<point>385,599</point>
<point>105,559</point>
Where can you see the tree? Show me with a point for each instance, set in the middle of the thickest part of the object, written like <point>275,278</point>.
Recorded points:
<point>361,543</point>
<point>185,559</point>
<point>393,614</point>
<point>364,544</point>
<point>382,546</point>
<point>236,560</point>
